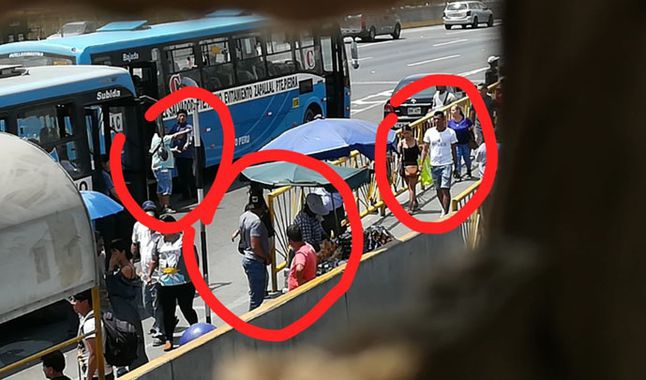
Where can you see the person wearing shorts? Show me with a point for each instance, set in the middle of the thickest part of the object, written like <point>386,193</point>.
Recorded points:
<point>440,142</point>
<point>163,163</point>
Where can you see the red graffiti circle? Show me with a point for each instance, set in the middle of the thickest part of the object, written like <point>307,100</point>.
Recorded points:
<point>381,175</point>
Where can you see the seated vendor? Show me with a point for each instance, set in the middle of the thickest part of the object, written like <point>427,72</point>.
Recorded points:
<point>308,220</point>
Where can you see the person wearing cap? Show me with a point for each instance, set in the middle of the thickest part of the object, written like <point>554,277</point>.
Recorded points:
<point>309,223</point>
<point>183,152</point>
<point>143,244</point>
<point>491,75</point>
<point>254,246</point>
<point>333,203</point>
<point>175,286</point>
<point>82,304</point>
<point>163,163</point>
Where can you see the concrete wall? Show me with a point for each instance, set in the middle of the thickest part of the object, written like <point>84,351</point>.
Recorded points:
<point>386,280</point>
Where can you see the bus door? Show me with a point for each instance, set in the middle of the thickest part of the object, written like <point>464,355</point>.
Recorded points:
<point>92,116</point>
<point>335,72</point>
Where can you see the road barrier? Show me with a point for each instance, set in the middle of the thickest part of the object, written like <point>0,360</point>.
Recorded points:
<point>470,228</point>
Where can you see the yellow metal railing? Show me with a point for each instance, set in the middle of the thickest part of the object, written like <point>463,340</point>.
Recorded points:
<point>470,228</point>
<point>96,305</point>
<point>284,203</point>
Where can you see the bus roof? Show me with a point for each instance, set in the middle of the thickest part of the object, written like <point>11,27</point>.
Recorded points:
<point>54,81</point>
<point>118,39</point>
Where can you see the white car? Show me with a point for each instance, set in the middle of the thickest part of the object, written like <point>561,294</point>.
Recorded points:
<point>466,13</point>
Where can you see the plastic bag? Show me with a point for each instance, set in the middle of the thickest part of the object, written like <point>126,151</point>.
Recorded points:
<point>425,178</point>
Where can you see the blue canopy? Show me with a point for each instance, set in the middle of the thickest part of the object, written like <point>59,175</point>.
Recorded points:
<point>327,139</point>
<point>99,205</point>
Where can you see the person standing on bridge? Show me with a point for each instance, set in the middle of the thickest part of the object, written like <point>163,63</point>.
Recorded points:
<point>183,152</point>
<point>440,141</point>
<point>410,152</point>
<point>309,223</point>
<point>464,131</point>
<point>254,245</point>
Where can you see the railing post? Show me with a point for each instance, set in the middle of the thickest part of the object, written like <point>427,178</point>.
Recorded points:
<point>98,331</point>
<point>272,253</point>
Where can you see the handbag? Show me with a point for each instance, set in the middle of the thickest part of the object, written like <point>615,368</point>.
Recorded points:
<point>425,178</point>
<point>161,150</point>
<point>411,170</point>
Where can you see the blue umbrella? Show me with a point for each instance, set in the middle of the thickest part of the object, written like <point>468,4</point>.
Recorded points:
<point>99,205</point>
<point>328,139</point>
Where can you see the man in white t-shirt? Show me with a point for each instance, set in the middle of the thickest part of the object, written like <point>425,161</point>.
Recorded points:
<point>82,304</point>
<point>442,97</point>
<point>441,141</point>
<point>144,241</point>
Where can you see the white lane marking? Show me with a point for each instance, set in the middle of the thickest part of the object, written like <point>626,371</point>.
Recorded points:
<point>353,112</point>
<point>472,72</point>
<point>366,101</point>
<point>451,42</point>
<point>433,60</point>
<point>376,82</point>
<point>375,44</point>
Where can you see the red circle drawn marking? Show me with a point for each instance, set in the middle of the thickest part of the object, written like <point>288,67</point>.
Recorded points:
<point>330,298</point>
<point>490,142</point>
<point>202,211</point>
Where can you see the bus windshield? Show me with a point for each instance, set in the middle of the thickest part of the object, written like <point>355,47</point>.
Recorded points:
<point>31,59</point>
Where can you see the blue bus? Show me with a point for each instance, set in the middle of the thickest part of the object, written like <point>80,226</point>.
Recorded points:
<point>67,111</point>
<point>270,78</point>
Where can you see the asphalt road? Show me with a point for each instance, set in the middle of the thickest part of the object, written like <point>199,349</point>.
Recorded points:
<point>382,64</point>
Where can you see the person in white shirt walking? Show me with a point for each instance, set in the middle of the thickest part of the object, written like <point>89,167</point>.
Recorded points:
<point>439,142</point>
<point>144,241</point>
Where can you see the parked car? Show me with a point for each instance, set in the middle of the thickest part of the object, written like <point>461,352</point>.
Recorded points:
<point>368,25</point>
<point>74,29</point>
<point>418,105</point>
<point>466,13</point>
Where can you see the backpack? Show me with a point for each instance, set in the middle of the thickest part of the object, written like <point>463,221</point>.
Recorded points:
<point>121,341</point>
<point>161,150</point>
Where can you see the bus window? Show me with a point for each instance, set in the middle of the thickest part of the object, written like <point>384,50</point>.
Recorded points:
<point>3,125</point>
<point>181,64</point>
<point>308,54</point>
<point>217,71</point>
<point>250,65</point>
<point>280,59</point>
<point>46,124</point>
<point>328,57</point>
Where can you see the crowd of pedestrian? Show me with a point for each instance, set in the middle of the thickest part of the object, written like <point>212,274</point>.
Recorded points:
<point>452,144</point>
<point>161,282</point>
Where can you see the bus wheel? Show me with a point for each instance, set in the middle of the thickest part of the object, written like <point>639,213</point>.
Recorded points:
<point>311,113</point>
